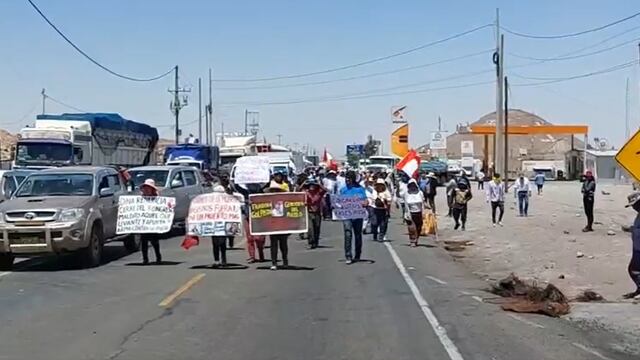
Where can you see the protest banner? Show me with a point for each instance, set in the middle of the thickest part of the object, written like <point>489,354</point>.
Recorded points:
<point>347,208</point>
<point>278,213</point>
<point>145,215</point>
<point>214,214</point>
<point>252,170</point>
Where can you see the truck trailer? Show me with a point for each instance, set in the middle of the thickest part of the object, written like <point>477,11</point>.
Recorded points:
<point>85,139</point>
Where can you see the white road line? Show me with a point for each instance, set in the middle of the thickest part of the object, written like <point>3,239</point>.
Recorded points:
<point>590,351</point>
<point>440,331</point>
<point>441,282</point>
<point>477,298</point>
<point>466,293</point>
<point>521,319</point>
<point>5,273</point>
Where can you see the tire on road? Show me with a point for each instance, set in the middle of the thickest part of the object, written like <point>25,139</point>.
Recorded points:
<point>6,262</point>
<point>92,255</point>
<point>132,243</point>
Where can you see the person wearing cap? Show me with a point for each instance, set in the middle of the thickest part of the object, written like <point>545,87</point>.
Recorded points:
<point>381,205</point>
<point>278,240</point>
<point>315,198</point>
<point>588,199</point>
<point>633,201</point>
<point>149,189</point>
<point>353,227</point>
<point>414,203</point>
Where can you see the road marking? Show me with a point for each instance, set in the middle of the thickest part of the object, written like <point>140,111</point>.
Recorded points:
<point>466,293</point>
<point>169,300</point>
<point>477,298</point>
<point>440,331</point>
<point>5,273</point>
<point>441,282</point>
<point>521,319</point>
<point>590,350</point>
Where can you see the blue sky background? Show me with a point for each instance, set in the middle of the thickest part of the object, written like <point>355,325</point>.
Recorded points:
<point>269,38</point>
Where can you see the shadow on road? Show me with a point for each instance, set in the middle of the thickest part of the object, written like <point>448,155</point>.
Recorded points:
<point>229,266</point>
<point>153,263</point>
<point>290,267</point>
<point>68,262</point>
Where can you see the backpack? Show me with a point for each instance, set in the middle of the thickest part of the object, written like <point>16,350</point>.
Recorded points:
<point>461,197</point>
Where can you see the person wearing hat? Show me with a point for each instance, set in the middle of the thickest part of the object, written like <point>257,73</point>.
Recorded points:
<point>330,184</point>
<point>278,240</point>
<point>429,189</point>
<point>353,227</point>
<point>315,198</point>
<point>381,205</point>
<point>588,199</point>
<point>370,190</point>
<point>414,203</point>
<point>149,189</point>
<point>633,201</point>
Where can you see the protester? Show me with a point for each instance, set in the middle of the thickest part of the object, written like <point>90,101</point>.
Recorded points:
<point>430,191</point>
<point>495,195</point>
<point>480,176</point>
<point>149,189</point>
<point>253,241</point>
<point>634,263</point>
<point>539,180</point>
<point>588,199</point>
<point>414,204</point>
<point>461,196</point>
<point>330,184</point>
<point>341,180</point>
<point>401,190</point>
<point>279,180</point>
<point>522,192</point>
<point>381,208</point>
<point>226,184</point>
<point>278,240</point>
<point>451,185</point>
<point>353,227</point>
<point>315,197</point>
<point>370,190</point>
<point>219,243</point>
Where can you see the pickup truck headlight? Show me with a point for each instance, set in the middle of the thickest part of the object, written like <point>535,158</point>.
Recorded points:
<point>70,215</point>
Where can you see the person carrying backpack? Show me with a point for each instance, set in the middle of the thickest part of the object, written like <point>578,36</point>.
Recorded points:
<point>461,196</point>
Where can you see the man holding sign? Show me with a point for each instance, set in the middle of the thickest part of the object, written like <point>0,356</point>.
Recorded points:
<point>354,197</point>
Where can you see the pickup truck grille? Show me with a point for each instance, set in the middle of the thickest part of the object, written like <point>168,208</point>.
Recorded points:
<point>28,216</point>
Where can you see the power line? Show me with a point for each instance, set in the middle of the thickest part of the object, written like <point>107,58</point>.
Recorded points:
<point>365,76</point>
<point>362,63</point>
<point>561,58</point>
<point>547,80</point>
<point>95,62</point>
<point>563,36</point>
<point>64,104</point>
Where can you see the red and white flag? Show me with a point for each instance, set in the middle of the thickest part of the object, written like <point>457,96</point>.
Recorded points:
<point>410,164</point>
<point>398,114</point>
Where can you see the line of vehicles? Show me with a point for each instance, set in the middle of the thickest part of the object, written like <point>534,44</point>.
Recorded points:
<point>61,196</point>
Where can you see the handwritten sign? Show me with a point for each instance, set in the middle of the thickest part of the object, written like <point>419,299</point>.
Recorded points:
<point>252,170</point>
<point>145,215</point>
<point>278,213</point>
<point>215,214</point>
<point>347,208</point>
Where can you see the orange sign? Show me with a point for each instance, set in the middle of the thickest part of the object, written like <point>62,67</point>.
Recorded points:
<point>400,141</point>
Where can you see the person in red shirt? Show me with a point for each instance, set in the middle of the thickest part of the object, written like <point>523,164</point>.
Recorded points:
<point>315,201</point>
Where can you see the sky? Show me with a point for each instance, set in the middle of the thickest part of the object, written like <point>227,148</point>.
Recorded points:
<point>257,39</point>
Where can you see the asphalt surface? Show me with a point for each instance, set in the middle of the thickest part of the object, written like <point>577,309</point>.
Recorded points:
<point>401,303</point>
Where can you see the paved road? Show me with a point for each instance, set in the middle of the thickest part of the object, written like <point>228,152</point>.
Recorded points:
<point>404,303</point>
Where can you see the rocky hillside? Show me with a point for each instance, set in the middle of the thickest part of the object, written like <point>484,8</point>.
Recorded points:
<point>7,144</point>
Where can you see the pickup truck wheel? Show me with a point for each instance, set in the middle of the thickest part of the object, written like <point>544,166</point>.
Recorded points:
<point>91,255</point>
<point>6,262</point>
<point>132,243</point>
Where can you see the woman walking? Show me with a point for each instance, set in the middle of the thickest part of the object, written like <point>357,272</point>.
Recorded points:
<point>414,205</point>
<point>149,189</point>
<point>381,206</point>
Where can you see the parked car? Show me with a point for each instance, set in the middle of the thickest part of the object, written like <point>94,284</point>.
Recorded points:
<point>63,210</point>
<point>10,180</point>
<point>181,182</point>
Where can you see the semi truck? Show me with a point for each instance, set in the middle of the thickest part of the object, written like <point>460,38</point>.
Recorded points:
<point>203,157</point>
<point>85,139</point>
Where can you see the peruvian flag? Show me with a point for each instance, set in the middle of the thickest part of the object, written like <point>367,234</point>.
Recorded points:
<point>326,157</point>
<point>410,164</point>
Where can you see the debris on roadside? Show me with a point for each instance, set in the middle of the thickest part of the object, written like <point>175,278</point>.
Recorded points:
<point>561,276</point>
<point>523,297</point>
<point>457,245</point>
<point>566,232</point>
<point>611,232</point>
<point>605,192</point>
<point>588,296</point>
<point>579,254</point>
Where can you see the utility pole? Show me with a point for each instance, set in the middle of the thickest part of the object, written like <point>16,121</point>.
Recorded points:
<point>176,105</point>
<point>211,132</point>
<point>498,60</point>
<point>200,110</point>
<point>439,124</point>
<point>246,119</point>
<point>44,101</point>
<point>279,136</point>
<point>506,134</point>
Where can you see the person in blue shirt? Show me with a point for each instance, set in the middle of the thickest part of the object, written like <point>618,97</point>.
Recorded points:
<point>539,180</point>
<point>353,227</point>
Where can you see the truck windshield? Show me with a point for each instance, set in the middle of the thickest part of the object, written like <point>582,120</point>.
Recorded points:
<point>139,176</point>
<point>389,162</point>
<point>43,152</point>
<point>56,185</point>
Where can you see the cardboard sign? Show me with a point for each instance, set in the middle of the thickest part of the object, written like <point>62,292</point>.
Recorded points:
<point>215,214</point>
<point>278,213</point>
<point>348,208</point>
<point>145,215</point>
<point>252,170</point>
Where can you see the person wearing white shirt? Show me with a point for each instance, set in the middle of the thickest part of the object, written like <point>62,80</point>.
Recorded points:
<point>522,192</point>
<point>381,205</point>
<point>414,203</point>
<point>495,196</point>
<point>371,196</point>
<point>329,183</point>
